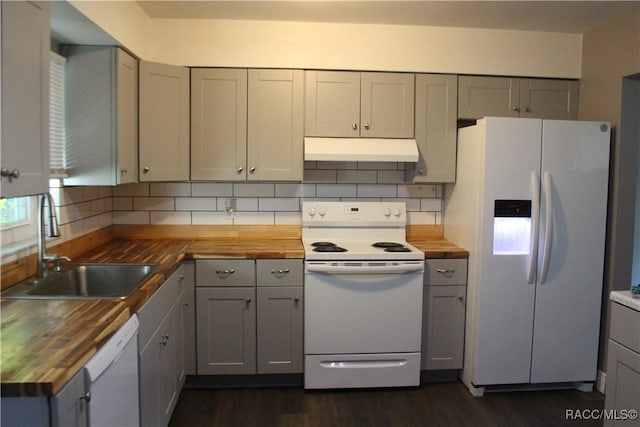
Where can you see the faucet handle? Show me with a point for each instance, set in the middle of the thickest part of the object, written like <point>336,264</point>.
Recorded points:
<point>57,260</point>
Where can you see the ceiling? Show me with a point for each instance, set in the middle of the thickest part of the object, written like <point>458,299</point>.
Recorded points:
<point>575,17</point>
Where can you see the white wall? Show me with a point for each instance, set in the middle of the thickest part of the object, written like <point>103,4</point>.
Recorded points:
<point>197,42</point>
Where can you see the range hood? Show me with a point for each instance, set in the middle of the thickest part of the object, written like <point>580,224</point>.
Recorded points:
<point>361,149</point>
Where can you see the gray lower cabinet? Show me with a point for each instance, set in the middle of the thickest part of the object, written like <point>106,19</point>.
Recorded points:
<point>622,392</point>
<point>443,318</point>
<point>244,329</point>
<point>161,349</point>
<point>66,409</point>
<point>481,96</point>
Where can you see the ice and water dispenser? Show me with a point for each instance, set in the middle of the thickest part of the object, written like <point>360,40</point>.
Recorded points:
<point>512,227</point>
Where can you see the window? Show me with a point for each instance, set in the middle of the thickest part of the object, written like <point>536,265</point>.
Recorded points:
<point>17,220</point>
<point>56,116</point>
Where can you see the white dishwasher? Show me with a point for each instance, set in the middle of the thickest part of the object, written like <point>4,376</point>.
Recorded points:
<point>112,380</point>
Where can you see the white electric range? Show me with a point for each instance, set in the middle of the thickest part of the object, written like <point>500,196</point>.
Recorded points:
<point>363,296</point>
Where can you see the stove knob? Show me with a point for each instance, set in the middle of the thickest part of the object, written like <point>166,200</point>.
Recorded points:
<point>312,212</point>
<point>387,212</point>
<point>322,212</point>
<point>397,212</point>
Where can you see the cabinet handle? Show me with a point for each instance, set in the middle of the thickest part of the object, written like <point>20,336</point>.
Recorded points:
<point>445,271</point>
<point>527,109</point>
<point>460,297</point>
<point>296,301</point>
<point>240,169</point>
<point>354,126</point>
<point>280,272</point>
<point>164,339</point>
<point>252,170</point>
<point>247,302</point>
<point>421,171</point>
<point>14,174</point>
<point>181,279</point>
<point>225,273</point>
<point>86,397</point>
<point>516,109</point>
<point>366,126</point>
<point>146,169</point>
<point>123,171</point>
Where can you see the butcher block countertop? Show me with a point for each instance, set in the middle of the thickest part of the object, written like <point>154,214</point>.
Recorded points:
<point>44,343</point>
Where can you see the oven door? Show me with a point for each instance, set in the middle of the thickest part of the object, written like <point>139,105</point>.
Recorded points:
<point>358,307</point>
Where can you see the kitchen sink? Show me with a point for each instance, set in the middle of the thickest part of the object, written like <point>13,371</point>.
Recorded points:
<point>84,281</point>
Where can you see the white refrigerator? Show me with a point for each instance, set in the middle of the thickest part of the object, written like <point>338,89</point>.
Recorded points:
<point>530,205</point>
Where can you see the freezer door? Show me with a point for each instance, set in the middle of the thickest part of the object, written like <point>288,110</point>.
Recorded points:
<point>502,297</point>
<point>575,158</point>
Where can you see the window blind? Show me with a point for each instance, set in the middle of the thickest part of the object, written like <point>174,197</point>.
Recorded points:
<point>56,116</point>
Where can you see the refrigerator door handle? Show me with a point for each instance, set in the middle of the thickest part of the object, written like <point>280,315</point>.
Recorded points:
<point>535,229</point>
<point>548,233</point>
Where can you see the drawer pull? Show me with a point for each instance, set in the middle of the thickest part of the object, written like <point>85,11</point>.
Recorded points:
<point>247,302</point>
<point>280,273</point>
<point>164,339</point>
<point>225,273</point>
<point>445,271</point>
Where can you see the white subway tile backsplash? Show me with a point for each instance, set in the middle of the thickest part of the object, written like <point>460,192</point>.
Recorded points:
<point>336,190</point>
<point>428,218</point>
<point>376,190</point>
<point>380,165</point>
<point>431,205</point>
<point>323,176</point>
<point>123,203</point>
<point>247,204</point>
<point>253,190</point>
<point>337,165</point>
<point>131,217</point>
<point>139,190</point>
<point>288,218</point>
<point>254,218</point>
<point>172,218</point>
<point>417,190</point>
<point>390,177</point>
<point>356,176</point>
<point>171,189</point>
<point>153,203</point>
<point>295,190</point>
<point>196,203</point>
<point>279,204</point>
<point>211,189</point>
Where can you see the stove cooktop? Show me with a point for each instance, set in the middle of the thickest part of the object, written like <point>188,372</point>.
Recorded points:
<point>360,250</point>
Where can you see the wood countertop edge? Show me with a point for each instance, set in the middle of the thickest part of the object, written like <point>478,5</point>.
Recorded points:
<point>190,249</point>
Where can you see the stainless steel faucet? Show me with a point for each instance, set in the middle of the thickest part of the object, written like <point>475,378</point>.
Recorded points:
<point>45,205</point>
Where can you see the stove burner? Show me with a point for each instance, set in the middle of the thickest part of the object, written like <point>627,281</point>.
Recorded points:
<point>329,248</point>
<point>387,245</point>
<point>322,244</point>
<point>397,249</point>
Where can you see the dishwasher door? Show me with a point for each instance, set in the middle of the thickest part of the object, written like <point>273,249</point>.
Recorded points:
<point>112,380</point>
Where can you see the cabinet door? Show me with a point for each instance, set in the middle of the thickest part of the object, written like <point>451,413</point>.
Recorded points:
<point>623,382</point>
<point>218,124</point>
<point>332,103</point>
<point>164,122</point>
<point>127,122</point>
<point>275,125</point>
<point>488,96</point>
<point>387,105</point>
<point>226,330</point>
<point>25,97</point>
<point>436,132</point>
<point>549,99</point>
<point>443,327</point>
<point>188,321</point>
<point>69,407</point>
<point>279,330</point>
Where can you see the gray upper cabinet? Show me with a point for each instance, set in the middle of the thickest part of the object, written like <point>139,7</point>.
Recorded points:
<point>24,98</point>
<point>353,104</point>
<point>436,132</point>
<point>275,125</point>
<point>101,97</point>
<point>480,96</point>
<point>218,124</point>
<point>247,124</point>
<point>164,122</point>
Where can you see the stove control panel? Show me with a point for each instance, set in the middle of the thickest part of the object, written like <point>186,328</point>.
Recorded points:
<point>354,213</point>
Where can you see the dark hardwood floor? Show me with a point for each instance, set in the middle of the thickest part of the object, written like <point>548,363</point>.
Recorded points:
<point>432,404</point>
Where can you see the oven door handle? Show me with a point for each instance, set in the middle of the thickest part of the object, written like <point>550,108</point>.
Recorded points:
<point>365,269</point>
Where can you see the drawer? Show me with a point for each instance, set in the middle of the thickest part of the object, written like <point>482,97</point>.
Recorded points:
<point>445,272</point>
<point>279,272</point>
<point>225,272</point>
<point>625,324</point>
<point>157,307</point>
